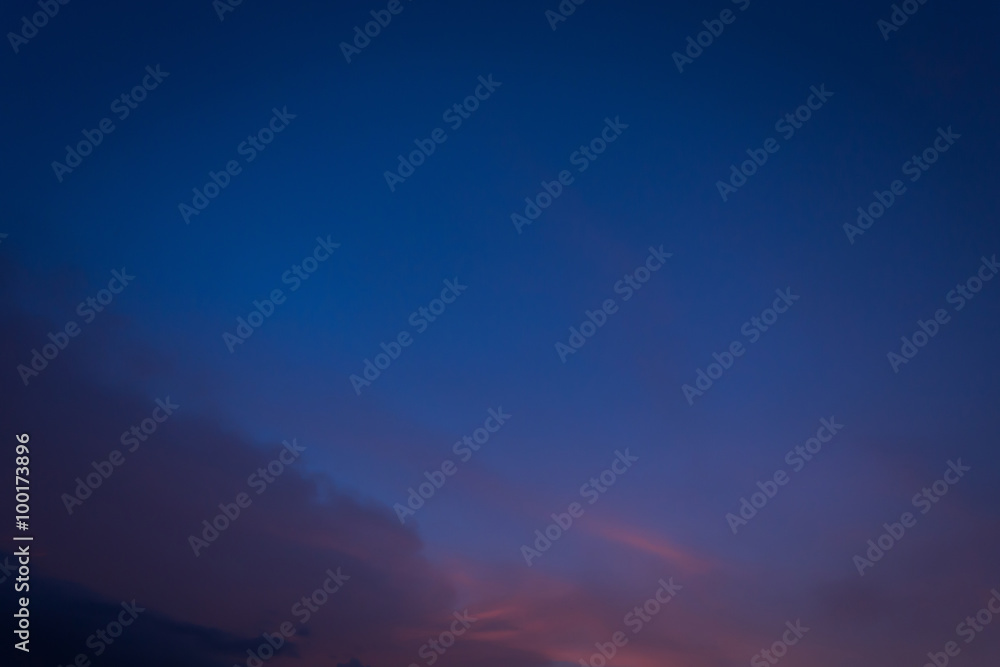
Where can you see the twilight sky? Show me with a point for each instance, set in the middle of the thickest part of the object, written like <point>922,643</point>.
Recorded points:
<point>403,300</point>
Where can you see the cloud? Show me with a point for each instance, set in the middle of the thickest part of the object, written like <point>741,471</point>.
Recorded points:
<point>129,539</point>
<point>66,619</point>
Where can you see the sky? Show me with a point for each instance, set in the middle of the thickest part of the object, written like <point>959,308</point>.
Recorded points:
<point>532,334</point>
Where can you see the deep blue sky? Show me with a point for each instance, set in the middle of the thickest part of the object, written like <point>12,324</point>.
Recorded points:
<point>654,186</point>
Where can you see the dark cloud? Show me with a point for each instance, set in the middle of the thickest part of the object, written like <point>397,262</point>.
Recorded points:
<point>66,617</point>
<point>129,538</point>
